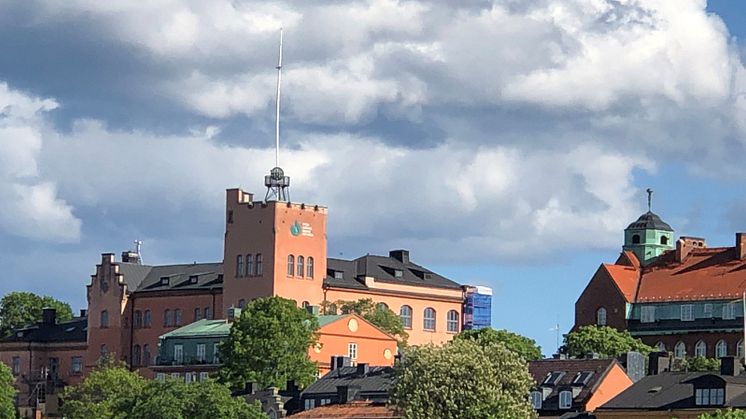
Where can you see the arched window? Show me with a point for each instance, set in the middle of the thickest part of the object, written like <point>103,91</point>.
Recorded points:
<point>700,349</point>
<point>258,268</point>
<point>661,346</point>
<point>721,349</point>
<point>138,319</point>
<point>301,267</point>
<point>679,351</point>
<point>739,349</point>
<point>601,317</point>
<point>136,356</point>
<point>249,265</point>
<point>309,262</point>
<point>197,314</point>
<point>635,239</point>
<point>664,240</point>
<point>168,318</point>
<point>405,312</point>
<point>428,322</point>
<point>305,304</point>
<point>104,319</point>
<point>291,265</point>
<point>208,313</point>
<point>177,317</point>
<point>146,355</point>
<point>452,325</point>
<point>239,266</point>
<point>382,306</point>
<point>147,319</point>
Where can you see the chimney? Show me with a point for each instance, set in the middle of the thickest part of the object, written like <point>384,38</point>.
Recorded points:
<point>741,246</point>
<point>129,256</point>
<point>333,363</point>
<point>658,362</point>
<point>83,312</point>
<point>250,388</point>
<point>682,250</point>
<point>343,361</point>
<point>400,255</point>
<point>362,370</point>
<point>346,394</point>
<point>48,316</point>
<point>730,365</point>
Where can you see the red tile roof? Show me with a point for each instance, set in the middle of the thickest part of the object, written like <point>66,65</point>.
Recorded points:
<point>352,410</point>
<point>571,367</point>
<point>625,278</point>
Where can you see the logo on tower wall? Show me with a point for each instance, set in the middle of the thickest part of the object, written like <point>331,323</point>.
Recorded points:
<point>301,229</point>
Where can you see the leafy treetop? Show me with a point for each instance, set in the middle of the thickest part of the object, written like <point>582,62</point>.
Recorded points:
<point>604,341</point>
<point>725,414</point>
<point>7,393</point>
<point>380,315</point>
<point>521,345</point>
<point>18,309</point>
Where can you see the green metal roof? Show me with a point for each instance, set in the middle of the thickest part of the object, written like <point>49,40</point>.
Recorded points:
<point>324,320</point>
<point>201,328</point>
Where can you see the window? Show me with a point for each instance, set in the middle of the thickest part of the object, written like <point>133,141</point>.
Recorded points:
<point>679,351</point>
<point>536,399</point>
<point>664,240</point>
<point>721,349</point>
<point>16,367</point>
<point>708,310</point>
<point>168,318</point>
<point>249,265</point>
<point>647,314</point>
<point>739,349</point>
<point>352,351</point>
<point>565,399</point>
<point>258,267</point>
<point>147,319</point>
<point>208,313</point>
<point>729,311</point>
<point>201,352</point>
<point>175,375</point>
<point>309,262</point>
<point>382,306</point>
<point>687,312</point>
<point>398,273</point>
<point>428,322</point>
<point>339,275</point>
<point>700,349</point>
<point>239,266</point>
<point>241,303</point>
<point>104,351</point>
<point>76,365</point>
<point>291,265</point>
<point>452,324</point>
<point>305,304</point>
<point>197,314</point>
<point>104,319</point>
<point>138,319</point>
<point>204,375</point>
<point>179,354</point>
<point>636,239</point>
<point>193,279</point>
<point>661,346</point>
<point>405,312</point>
<point>216,353</point>
<point>160,377</point>
<point>309,404</point>
<point>146,355</point>
<point>177,317</point>
<point>709,396</point>
<point>136,356</point>
<point>189,377</point>
<point>301,267</point>
<point>601,317</point>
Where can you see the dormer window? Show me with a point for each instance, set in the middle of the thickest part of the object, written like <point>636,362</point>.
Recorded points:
<point>536,399</point>
<point>164,280</point>
<point>552,378</point>
<point>398,273</point>
<point>193,279</point>
<point>709,396</point>
<point>565,399</point>
<point>339,275</point>
<point>582,378</point>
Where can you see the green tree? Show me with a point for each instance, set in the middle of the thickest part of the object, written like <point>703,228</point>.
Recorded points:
<point>108,392</point>
<point>462,379</point>
<point>701,364</point>
<point>19,309</point>
<point>380,315</point>
<point>605,341</point>
<point>724,414</point>
<point>7,393</point>
<point>523,346</point>
<point>268,344</point>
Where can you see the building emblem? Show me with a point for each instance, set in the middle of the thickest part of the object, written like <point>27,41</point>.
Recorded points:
<point>301,229</point>
<point>295,229</point>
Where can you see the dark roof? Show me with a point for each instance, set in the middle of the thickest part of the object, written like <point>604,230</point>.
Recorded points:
<point>172,277</point>
<point>378,380</point>
<point>672,390</point>
<point>649,221</point>
<point>354,410</point>
<point>74,330</point>
<point>383,269</point>
<point>565,372</point>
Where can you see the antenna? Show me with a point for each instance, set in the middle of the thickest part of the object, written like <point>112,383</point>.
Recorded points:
<point>276,182</point>
<point>650,199</point>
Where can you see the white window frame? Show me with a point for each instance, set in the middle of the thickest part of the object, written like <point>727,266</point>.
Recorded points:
<point>729,311</point>
<point>537,398</point>
<point>679,350</point>
<point>565,399</point>
<point>406,319</point>
<point>76,361</point>
<point>601,316</point>
<point>175,375</point>
<point>721,349</point>
<point>452,323</point>
<point>429,323</point>
<point>352,350</point>
<point>647,314</point>
<point>687,312</point>
<point>700,349</point>
<point>201,352</point>
<point>204,375</point>
<point>739,349</point>
<point>708,310</point>
<point>179,354</point>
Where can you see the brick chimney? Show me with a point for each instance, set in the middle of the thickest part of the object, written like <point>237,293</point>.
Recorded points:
<point>48,316</point>
<point>741,246</point>
<point>400,255</point>
<point>730,365</point>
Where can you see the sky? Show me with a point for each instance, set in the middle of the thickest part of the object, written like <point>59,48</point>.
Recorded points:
<point>505,143</point>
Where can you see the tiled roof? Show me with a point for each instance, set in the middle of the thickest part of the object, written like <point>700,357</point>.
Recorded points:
<point>143,278</point>
<point>625,278</point>
<point>74,330</point>
<point>649,220</point>
<point>541,369</point>
<point>383,268</point>
<point>352,410</point>
<point>376,380</point>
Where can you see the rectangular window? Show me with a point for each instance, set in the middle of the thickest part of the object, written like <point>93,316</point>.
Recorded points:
<point>309,404</point>
<point>647,314</point>
<point>189,377</point>
<point>201,352</point>
<point>708,310</point>
<point>258,268</point>
<point>161,377</point>
<point>216,353</point>
<point>177,315</point>
<point>565,399</point>
<point>179,354</point>
<point>77,365</point>
<point>204,376</point>
<point>536,399</point>
<point>16,365</point>
<point>175,375</point>
<point>687,312</point>
<point>717,396</point>
<point>729,311</point>
<point>352,351</point>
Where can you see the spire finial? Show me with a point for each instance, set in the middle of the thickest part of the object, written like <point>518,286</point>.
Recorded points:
<point>650,199</point>
<point>276,182</point>
<point>277,102</point>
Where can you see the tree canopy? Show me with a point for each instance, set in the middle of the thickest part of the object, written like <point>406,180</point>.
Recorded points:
<point>268,344</point>
<point>725,414</point>
<point>7,393</point>
<point>462,379</point>
<point>604,341</point>
<point>18,309</point>
<point>111,391</point>
<point>521,345</point>
<point>380,315</point>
